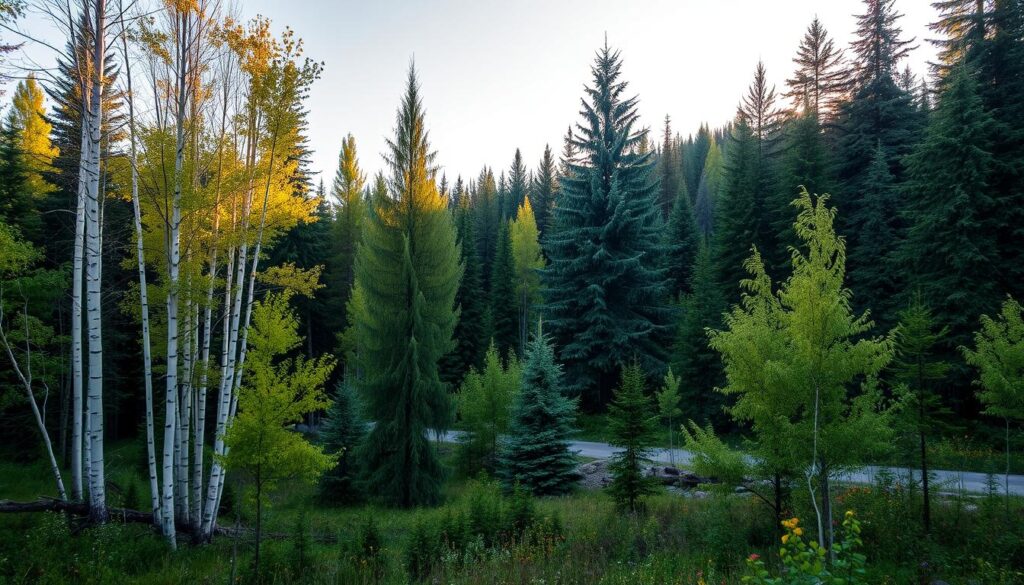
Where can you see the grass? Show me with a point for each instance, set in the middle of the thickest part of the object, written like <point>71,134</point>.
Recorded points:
<point>578,539</point>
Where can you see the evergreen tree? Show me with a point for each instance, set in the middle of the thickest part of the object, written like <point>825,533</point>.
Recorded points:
<point>407,275</point>
<point>471,330</point>
<point>529,261</point>
<point>708,190</point>
<point>484,403</point>
<point>668,409</point>
<point>698,366</point>
<point>806,162</point>
<point>681,243</point>
<point>631,424</point>
<point>669,169</point>
<point>605,286</point>
<point>487,221</point>
<point>877,245</point>
<point>919,370</point>
<point>536,456</point>
<point>17,207</point>
<point>820,80</point>
<point>30,132</point>
<point>543,190</point>
<point>951,249</point>
<point>518,183</point>
<point>504,323</point>
<point>347,192</point>
<point>693,157</point>
<point>341,434</point>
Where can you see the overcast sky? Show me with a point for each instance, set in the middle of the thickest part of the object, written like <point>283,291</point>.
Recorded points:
<point>497,75</point>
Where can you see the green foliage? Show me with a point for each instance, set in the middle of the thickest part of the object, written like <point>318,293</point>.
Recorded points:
<point>346,230</point>
<point>998,355</point>
<point>542,192</point>
<point>341,434</point>
<point>504,301</point>
<point>708,191</point>
<point>484,402</point>
<point>605,285</point>
<point>631,423</point>
<point>407,275</point>
<point>471,330</point>
<point>528,260</point>
<point>681,244</point>
<point>668,406</point>
<point>806,563</point>
<point>536,456</point>
<point>794,357</point>
<point>877,242</point>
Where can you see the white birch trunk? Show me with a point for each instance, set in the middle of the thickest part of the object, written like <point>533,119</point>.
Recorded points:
<point>93,272</point>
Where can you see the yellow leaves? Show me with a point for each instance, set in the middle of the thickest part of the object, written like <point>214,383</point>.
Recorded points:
<point>293,279</point>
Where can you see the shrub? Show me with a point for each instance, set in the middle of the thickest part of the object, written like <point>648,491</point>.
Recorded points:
<point>806,563</point>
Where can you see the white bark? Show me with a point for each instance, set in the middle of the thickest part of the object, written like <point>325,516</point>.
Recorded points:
<point>93,270</point>
<point>77,372</point>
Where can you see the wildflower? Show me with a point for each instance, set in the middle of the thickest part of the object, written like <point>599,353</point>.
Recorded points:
<point>785,538</point>
<point>849,514</point>
<point>753,557</point>
<point>798,531</point>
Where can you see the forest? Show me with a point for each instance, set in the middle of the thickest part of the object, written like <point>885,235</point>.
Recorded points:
<point>785,348</point>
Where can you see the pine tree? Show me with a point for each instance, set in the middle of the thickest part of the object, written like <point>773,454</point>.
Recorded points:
<point>487,221</point>
<point>917,367</point>
<point>347,192</point>
<point>407,275</point>
<point>877,244</point>
<point>341,434</point>
<point>681,244</point>
<point>820,80</point>
<point>708,190</point>
<point>950,251</point>
<point>605,286</point>
<point>528,261</point>
<point>693,156</point>
<point>504,313</point>
<point>669,168</point>
<point>536,456</point>
<point>631,424</point>
<point>543,190</point>
<point>471,330</point>
<point>30,131</point>
<point>518,183</point>
<point>698,366</point>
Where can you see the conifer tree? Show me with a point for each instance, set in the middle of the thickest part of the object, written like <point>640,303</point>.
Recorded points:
<point>471,330</point>
<point>347,192</point>
<point>877,244</point>
<point>504,313</point>
<point>668,409</point>
<point>407,275</point>
<point>543,190</point>
<point>529,261</point>
<point>669,169</point>
<point>536,456</point>
<point>342,432</point>
<point>697,365</point>
<point>487,221</point>
<point>806,162</point>
<point>681,243</point>
<point>605,285</point>
<point>484,403</point>
<point>35,152</point>
<point>917,367</point>
<point>708,190</point>
<point>518,184</point>
<point>693,157</point>
<point>631,420</point>
<point>950,249</point>
<point>820,80</point>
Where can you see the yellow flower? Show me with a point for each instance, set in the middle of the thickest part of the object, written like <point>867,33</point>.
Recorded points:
<point>785,538</point>
<point>798,531</point>
<point>849,514</point>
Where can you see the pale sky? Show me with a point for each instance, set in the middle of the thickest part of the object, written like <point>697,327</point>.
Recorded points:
<point>497,75</point>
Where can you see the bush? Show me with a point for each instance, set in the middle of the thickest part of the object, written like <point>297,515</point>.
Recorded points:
<point>805,562</point>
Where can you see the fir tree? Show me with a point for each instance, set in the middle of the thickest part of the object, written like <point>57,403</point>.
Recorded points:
<point>536,456</point>
<point>504,323</point>
<point>698,366</point>
<point>471,330</point>
<point>951,247</point>
<point>528,261</point>
<point>681,243</point>
<point>484,402</point>
<point>407,275</point>
<point>347,192</point>
<point>693,157</point>
<point>708,190</point>
<point>820,80</point>
<point>543,190</point>
<point>806,162</point>
<point>604,287</point>
<point>631,424</point>
<point>487,221</point>
<point>341,434</point>
<point>916,366</point>
<point>518,183</point>
<point>669,169</point>
<point>877,244</point>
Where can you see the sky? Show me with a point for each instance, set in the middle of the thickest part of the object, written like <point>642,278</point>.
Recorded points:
<point>501,75</point>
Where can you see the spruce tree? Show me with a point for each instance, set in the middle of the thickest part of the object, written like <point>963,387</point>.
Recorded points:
<point>407,275</point>
<point>951,246</point>
<point>631,424</point>
<point>693,157</point>
<point>821,79</point>
<point>487,221</point>
<point>342,432</point>
<point>605,285</point>
<point>708,190</point>
<point>504,324</point>
<point>669,169</point>
<point>806,162</point>
<point>877,244</point>
<point>681,243</point>
<point>543,190</point>
<point>518,184</point>
<point>471,330</point>
<point>536,456</point>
